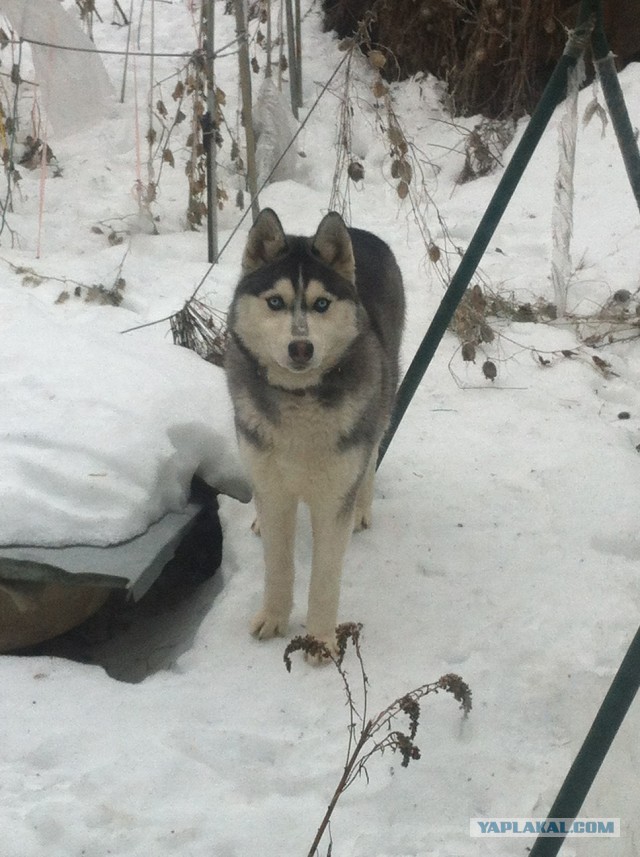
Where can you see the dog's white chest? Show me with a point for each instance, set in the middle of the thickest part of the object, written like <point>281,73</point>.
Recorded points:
<point>303,447</point>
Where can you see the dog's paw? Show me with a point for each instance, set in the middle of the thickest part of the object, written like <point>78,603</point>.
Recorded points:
<point>327,653</point>
<point>265,625</point>
<point>362,520</point>
<point>320,660</point>
<point>255,527</point>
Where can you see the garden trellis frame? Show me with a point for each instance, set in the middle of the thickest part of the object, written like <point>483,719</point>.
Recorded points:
<point>588,28</point>
<point>624,687</point>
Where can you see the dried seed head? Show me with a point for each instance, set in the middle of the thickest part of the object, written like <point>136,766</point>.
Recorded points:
<point>469,352</point>
<point>434,253</point>
<point>477,299</point>
<point>377,59</point>
<point>486,332</point>
<point>411,708</point>
<point>489,370</point>
<point>402,170</point>
<point>311,646</point>
<point>397,138</point>
<point>402,189</point>
<point>355,171</point>
<point>407,749</point>
<point>460,690</point>
<point>379,89</point>
<point>345,632</point>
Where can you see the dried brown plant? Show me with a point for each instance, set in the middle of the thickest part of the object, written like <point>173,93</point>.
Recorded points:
<point>369,736</point>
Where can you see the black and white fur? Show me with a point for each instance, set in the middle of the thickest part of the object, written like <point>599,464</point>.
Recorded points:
<point>312,368</point>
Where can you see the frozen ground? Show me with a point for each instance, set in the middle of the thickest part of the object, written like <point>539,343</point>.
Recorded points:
<point>505,542</point>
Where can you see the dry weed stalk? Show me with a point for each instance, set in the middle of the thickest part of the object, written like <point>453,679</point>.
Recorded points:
<point>9,123</point>
<point>474,323</point>
<point>484,146</point>
<point>345,164</point>
<point>96,293</point>
<point>369,736</point>
<point>87,9</point>
<point>202,329</point>
<point>409,166</point>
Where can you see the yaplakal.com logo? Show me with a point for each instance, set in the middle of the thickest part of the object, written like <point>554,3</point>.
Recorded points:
<point>598,827</point>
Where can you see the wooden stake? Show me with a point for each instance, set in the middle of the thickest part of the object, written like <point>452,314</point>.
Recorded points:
<point>150,132</point>
<point>267,72</point>
<point>247,110</point>
<point>298,52</point>
<point>126,56</point>
<point>209,137</point>
<point>291,51</point>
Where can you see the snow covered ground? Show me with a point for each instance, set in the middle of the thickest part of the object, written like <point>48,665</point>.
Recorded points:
<point>505,542</point>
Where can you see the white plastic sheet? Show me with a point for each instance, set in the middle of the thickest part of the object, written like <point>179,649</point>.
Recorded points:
<point>275,127</point>
<point>76,91</point>
<point>562,214</point>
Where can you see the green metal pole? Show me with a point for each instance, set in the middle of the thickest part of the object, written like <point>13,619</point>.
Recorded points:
<point>608,75</point>
<point>595,747</point>
<point>554,92</point>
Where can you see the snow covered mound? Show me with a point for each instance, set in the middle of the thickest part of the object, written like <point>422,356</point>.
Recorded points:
<point>102,433</point>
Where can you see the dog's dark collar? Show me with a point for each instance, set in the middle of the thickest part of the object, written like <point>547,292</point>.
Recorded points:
<point>296,391</point>
<point>318,390</point>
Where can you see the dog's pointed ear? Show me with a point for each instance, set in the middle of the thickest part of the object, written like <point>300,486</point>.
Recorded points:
<point>332,243</point>
<point>265,243</point>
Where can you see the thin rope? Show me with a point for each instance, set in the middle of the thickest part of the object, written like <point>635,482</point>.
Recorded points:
<point>183,54</point>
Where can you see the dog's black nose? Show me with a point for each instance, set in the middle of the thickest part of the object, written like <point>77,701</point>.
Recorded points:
<point>300,351</point>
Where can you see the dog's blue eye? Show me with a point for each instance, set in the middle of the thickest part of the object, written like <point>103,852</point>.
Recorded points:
<point>321,305</point>
<point>275,302</point>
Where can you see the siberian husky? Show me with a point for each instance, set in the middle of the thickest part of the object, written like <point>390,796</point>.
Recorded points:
<point>315,327</point>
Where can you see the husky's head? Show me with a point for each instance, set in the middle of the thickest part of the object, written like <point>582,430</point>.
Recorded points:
<point>296,307</point>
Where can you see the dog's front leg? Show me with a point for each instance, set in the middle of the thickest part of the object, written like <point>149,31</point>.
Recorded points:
<point>277,517</point>
<point>331,532</point>
<point>364,497</point>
